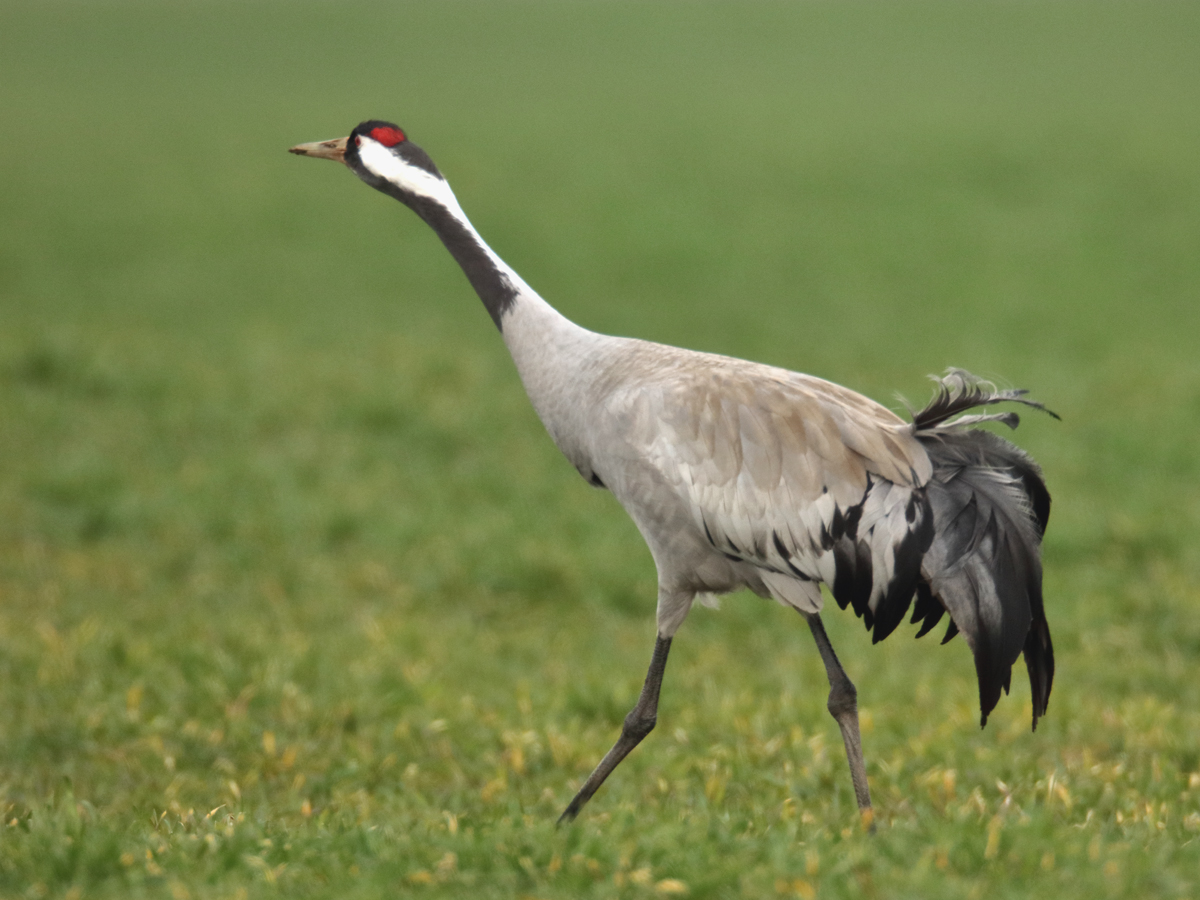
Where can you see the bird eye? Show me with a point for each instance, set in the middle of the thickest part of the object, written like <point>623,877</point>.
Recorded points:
<point>358,141</point>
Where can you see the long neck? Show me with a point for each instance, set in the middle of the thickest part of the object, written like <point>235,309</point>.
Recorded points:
<point>412,178</point>
<point>504,293</point>
<point>550,351</point>
<point>497,285</point>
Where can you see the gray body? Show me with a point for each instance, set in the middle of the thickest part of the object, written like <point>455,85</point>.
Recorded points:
<point>742,475</point>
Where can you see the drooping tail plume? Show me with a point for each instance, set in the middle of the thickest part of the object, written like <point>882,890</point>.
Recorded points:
<point>990,507</point>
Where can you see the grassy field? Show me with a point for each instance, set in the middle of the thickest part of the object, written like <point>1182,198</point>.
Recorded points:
<point>298,599</point>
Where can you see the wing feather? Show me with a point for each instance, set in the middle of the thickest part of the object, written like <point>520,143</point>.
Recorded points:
<point>803,482</point>
<point>798,477</point>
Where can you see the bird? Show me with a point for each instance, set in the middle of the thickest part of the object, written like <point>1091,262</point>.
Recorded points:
<point>741,475</point>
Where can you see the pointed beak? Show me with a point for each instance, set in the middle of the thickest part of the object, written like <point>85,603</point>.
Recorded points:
<point>335,150</point>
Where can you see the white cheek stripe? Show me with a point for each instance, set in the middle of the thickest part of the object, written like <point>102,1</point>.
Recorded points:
<point>382,162</point>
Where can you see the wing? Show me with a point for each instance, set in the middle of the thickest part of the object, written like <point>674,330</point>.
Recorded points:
<point>805,480</point>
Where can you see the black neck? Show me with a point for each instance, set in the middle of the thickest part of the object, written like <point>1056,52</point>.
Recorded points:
<point>490,282</point>
<point>489,278</point>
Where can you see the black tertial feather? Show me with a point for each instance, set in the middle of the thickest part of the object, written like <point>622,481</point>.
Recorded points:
<point>990,508</point>
<point>927,610</point>
<point>959,391</point>
<point>894,605</point>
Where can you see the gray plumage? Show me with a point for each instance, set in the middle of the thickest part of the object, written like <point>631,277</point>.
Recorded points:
<point>741,475</point>
<point>990,508</point>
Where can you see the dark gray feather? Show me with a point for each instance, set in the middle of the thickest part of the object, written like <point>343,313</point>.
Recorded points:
<point>959,391</point>
<point>990,507</point>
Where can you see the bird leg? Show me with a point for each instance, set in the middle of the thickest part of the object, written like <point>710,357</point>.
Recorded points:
<point>843,706</point>
<point>638,724</point>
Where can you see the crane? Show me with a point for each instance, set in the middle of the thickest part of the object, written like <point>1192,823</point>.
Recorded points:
<point>743,475</point>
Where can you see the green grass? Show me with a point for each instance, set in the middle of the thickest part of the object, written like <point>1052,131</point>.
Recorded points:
<point>296,596</point>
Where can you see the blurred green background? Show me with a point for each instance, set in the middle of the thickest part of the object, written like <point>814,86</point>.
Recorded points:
<point>297,597</point>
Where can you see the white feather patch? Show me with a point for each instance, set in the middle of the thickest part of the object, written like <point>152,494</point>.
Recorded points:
<point>803,595</point>
<point>383,162</point>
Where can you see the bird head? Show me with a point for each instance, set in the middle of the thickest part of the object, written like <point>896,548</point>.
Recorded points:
<point>382,155</point>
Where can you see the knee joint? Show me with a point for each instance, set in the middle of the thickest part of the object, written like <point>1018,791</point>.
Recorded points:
<point>637,726</point>
<point>843,699</point>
